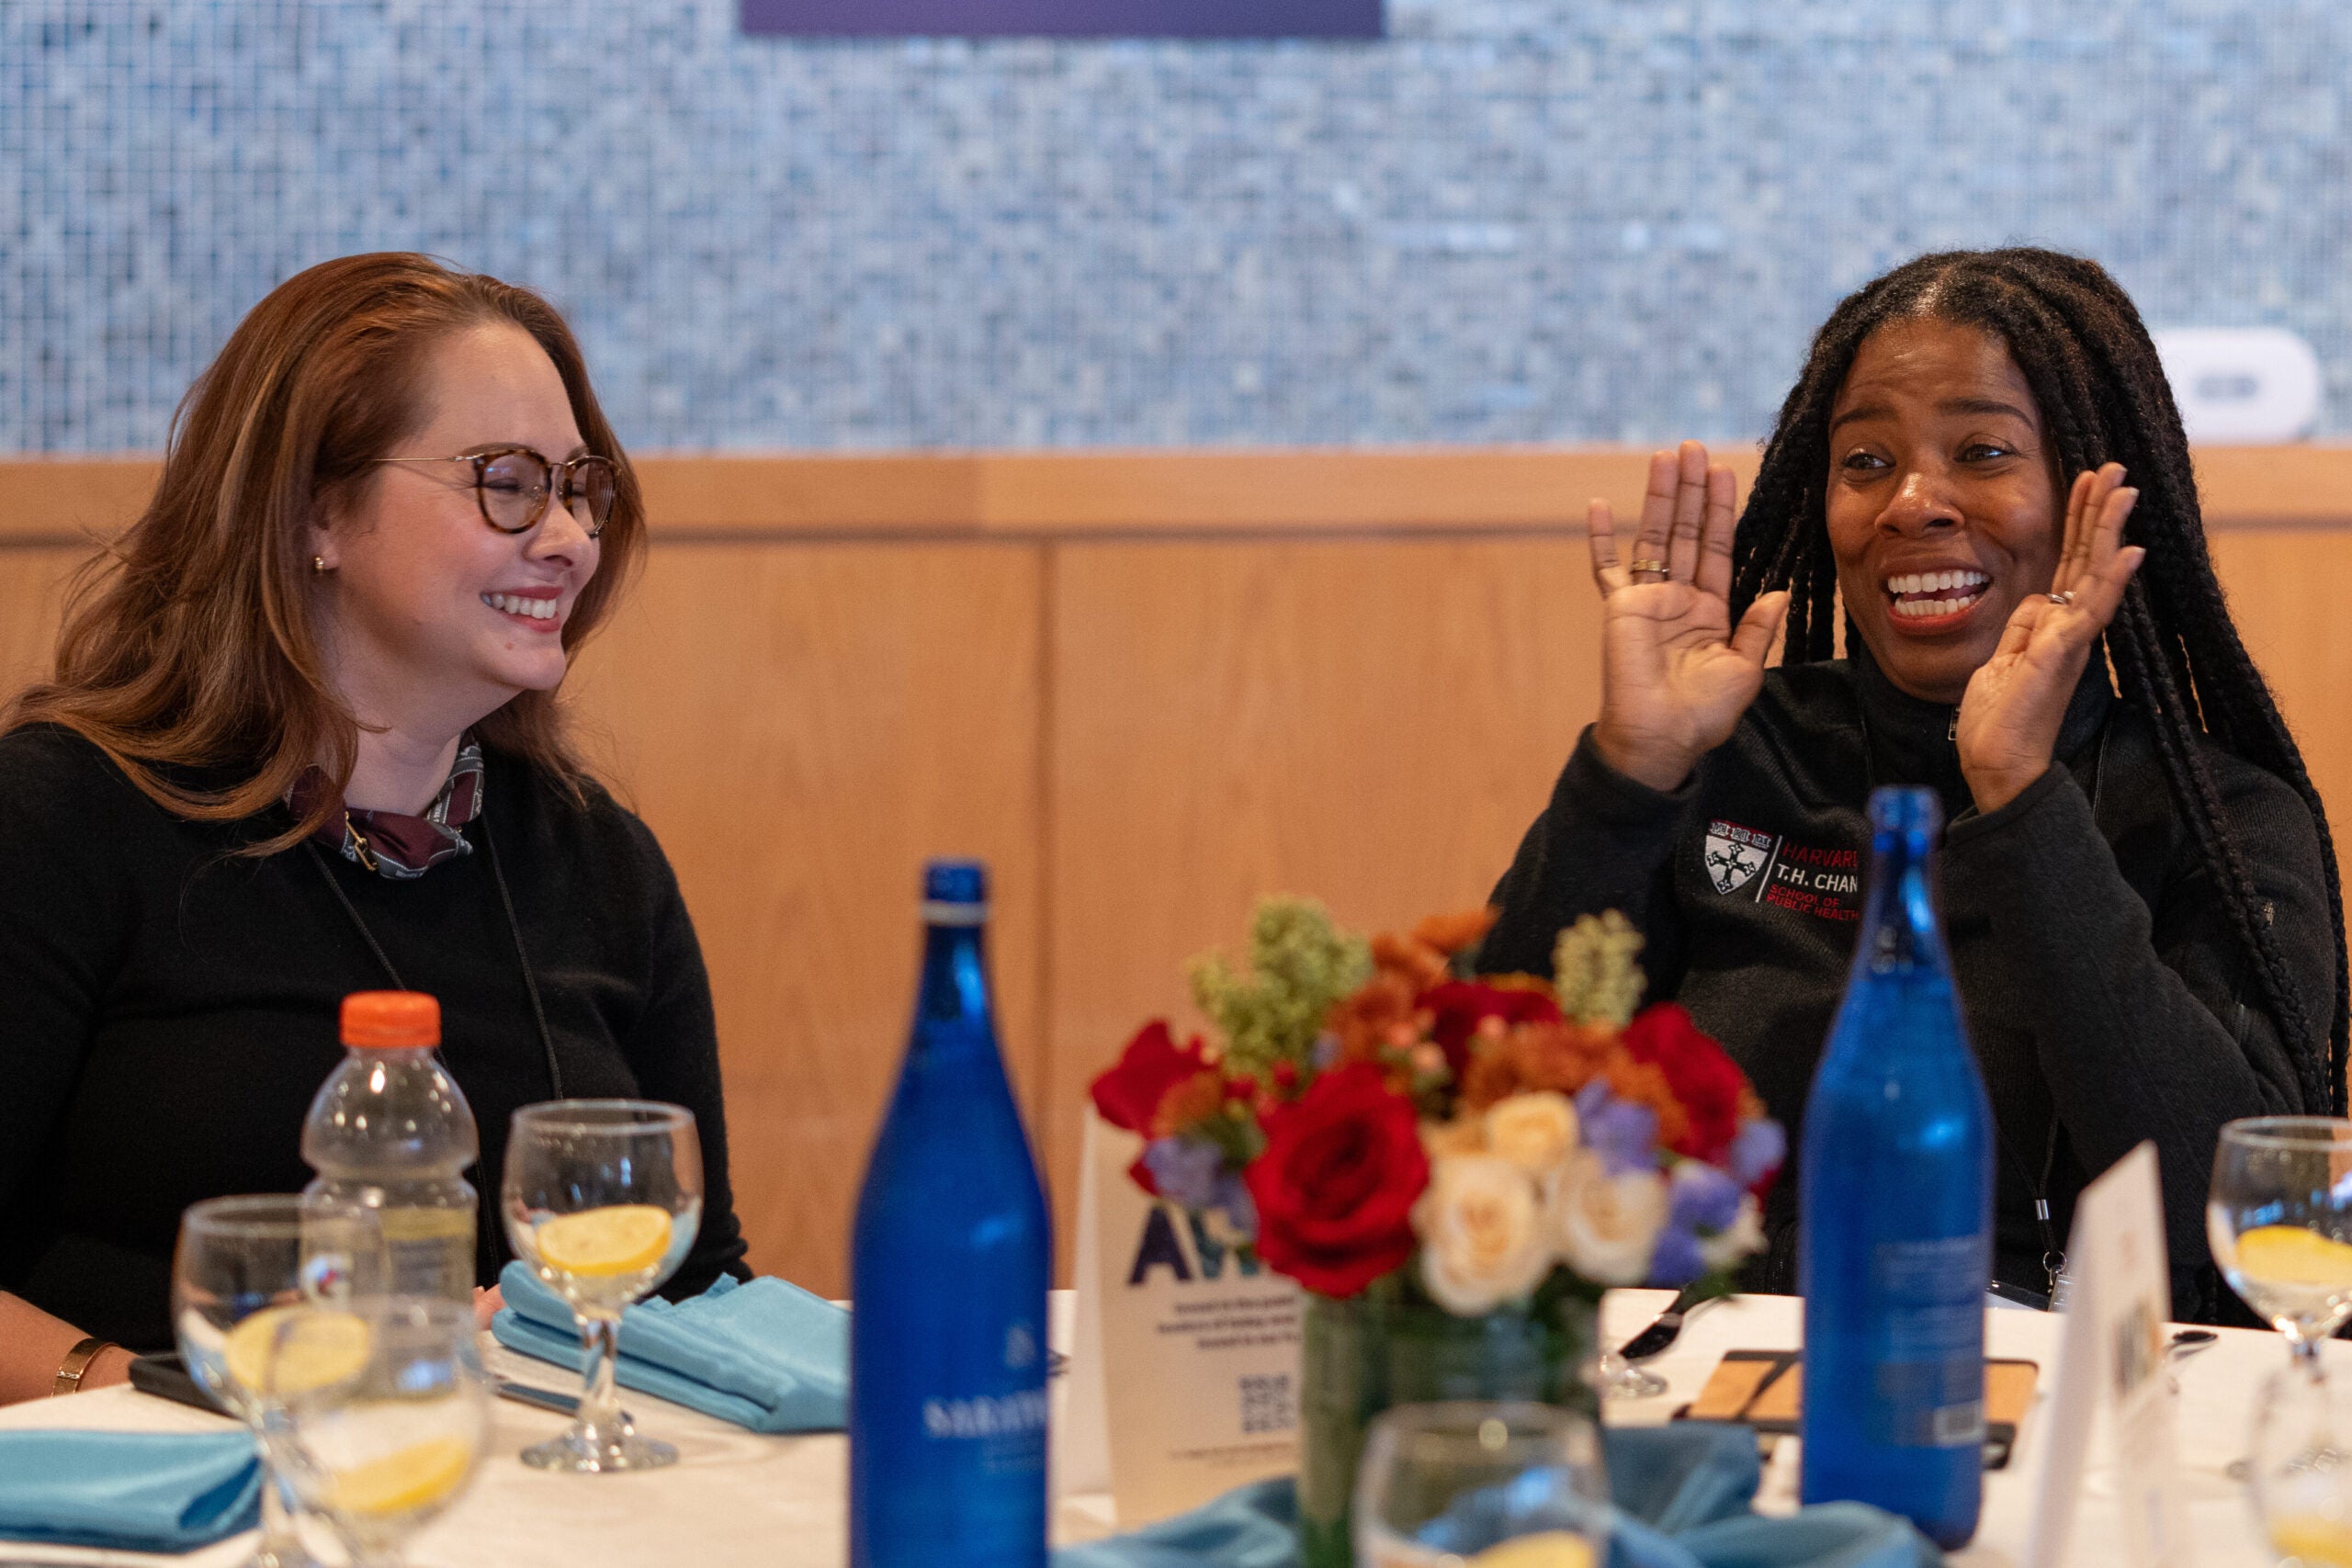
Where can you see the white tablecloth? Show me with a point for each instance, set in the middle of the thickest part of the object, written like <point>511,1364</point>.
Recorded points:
<point>736,1498</point>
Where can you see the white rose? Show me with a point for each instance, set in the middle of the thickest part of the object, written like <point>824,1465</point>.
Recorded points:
<point>1445,1140</point>
<point>1608,1224</point>
<point>1483,1236</point>
<point>1533,1130</point>
<point>1741,1238</point>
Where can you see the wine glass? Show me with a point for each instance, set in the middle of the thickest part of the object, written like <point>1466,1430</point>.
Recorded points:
<point>380,1452</point>
<point>244,1269</point>
<point>1474,1484</point>
<point>2279,1220</point>
<point>1617,1378</point>
<point>603,1198</point>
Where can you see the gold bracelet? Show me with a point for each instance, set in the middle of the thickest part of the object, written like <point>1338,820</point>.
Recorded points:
<point>77,1361</point>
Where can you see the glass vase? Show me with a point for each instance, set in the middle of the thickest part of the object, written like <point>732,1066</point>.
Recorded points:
<point>1388,1347</point>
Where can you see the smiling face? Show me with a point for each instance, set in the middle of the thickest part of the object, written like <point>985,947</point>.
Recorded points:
<point>1943,503</point>
<point>428,617</point>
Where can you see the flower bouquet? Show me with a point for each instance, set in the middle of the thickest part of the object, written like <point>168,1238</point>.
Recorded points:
<point>1454,1166</point>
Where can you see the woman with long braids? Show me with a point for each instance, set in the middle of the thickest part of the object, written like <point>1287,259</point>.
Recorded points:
<point>1982,467</point>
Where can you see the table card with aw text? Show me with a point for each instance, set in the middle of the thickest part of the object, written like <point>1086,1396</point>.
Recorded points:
<point>1196,1341</point>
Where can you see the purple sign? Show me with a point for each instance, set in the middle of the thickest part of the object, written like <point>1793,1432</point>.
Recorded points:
<point>1066,18</point>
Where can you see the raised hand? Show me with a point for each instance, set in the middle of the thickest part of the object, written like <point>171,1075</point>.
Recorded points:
<point>1675,677</point>
<point>2016,701</point>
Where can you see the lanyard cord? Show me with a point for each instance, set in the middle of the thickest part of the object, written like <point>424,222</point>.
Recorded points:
<point>513,929</point>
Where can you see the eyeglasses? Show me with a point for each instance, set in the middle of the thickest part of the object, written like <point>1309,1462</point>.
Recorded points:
<point>512,484</point>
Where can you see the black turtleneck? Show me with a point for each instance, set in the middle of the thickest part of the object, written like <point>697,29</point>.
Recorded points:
<point>2105,992</point>
<point>168,1008</point>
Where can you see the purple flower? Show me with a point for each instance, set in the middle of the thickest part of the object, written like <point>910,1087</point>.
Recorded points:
<point>1757,1151</point>
<point>1240,1208</point>
<point>1705,1199</point>
<point>1676,1261</point>
<point>1185,1171</point>
<point>1622,1134</point>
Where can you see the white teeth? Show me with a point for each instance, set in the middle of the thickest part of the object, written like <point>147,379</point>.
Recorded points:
<point>1935,581</point>
<point>515,604</point>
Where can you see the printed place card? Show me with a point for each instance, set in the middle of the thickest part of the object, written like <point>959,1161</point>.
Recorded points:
<point>1197,1343</point>
<point>2111,1375</point>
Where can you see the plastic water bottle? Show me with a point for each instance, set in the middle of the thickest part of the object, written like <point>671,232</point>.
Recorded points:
<point>1896,1204</point>
<point>949,1266</point>
<point>391,1130</point>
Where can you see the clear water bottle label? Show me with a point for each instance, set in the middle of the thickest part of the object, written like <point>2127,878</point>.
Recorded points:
<point>1929,1354</point>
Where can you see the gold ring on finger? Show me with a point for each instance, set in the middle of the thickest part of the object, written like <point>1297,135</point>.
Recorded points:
<point>1656,565</point>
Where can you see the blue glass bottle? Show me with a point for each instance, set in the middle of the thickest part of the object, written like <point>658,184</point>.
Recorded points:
<point>1895,1201</point>
<point>949,1266</point>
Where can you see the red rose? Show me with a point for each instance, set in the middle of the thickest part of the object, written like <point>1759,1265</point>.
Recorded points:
<point>1336,1184</point>
<point>1707,1083</point>
<point>1458,1007</point>
<point>1128,1094</point>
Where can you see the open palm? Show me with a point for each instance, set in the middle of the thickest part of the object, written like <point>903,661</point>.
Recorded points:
<point>1675,673</point>
<point>2010,715</point>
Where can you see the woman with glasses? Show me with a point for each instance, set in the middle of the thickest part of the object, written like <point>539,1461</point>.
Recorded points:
<point>303,740</point>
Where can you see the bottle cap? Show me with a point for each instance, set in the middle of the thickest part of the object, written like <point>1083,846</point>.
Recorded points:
<point>385,1021</point>
<point>954,892</point>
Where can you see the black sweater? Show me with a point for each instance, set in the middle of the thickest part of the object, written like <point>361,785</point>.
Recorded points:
<point>168,1009</point>
<point>2106,994</point>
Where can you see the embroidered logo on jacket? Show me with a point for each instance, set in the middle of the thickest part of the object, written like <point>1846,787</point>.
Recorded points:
<point>1809,880</point>
<point>1735,854</point>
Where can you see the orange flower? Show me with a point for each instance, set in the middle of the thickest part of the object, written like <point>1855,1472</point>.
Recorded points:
<point>1188,1102</point>
<point>1645,1083</point>
<point>1560,1056</point>
<point>1380,1017</point>
<point>1451,933</point>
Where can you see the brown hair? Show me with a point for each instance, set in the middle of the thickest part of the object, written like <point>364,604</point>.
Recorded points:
<point>186,643</point>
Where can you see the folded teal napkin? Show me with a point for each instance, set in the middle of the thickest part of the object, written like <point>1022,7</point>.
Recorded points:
<point>128,1490</point>
<point>766,1355</point>
<point>1681,1494</point>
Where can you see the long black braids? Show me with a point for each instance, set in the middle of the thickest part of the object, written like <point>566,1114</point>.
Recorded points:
<point>2103,397</point>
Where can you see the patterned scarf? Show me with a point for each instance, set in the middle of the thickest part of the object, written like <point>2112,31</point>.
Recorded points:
<point>392,843</point>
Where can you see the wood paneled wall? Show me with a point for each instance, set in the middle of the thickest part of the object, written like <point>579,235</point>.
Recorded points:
<point>1148,688</point>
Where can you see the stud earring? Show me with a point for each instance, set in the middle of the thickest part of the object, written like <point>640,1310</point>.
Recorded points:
<point>318,566</point>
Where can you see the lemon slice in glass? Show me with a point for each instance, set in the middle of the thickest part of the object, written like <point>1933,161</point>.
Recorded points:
<point>2313,1539</point>
<point>1545,1549</point>
<point>619,1238</point>
<point>284,1351</point>
<point>401,1482</point>
<point>2290,1255</point>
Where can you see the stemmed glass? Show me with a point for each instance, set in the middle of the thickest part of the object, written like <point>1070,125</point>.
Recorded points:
<point>1481,1483</point>
<point>383,1450</point>
<point>1617,1378</point>
<point>2279,1220</point>
<point>602,1199</point>
<point>245,1268</point>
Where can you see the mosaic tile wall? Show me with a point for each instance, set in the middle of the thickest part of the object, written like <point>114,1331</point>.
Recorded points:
<point>1512,220</point>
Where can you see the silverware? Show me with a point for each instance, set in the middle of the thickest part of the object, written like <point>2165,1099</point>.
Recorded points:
<point>1653,1339</point>
<point>2185,1343</point>
<point>545,1398</point>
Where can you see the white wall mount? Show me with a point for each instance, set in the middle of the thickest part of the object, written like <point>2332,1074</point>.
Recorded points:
<point>2242,386</point>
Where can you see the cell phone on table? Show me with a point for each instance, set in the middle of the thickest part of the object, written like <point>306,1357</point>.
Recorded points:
<point>167,1377</point>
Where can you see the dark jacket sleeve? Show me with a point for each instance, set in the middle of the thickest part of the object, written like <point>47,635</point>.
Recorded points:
<point>2148,1020</point>
<point>63,929</point>
<point>1606,841</point>
<point>674,1053</point>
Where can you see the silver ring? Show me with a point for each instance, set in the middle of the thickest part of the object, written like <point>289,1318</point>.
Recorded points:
<point>2065,598</point>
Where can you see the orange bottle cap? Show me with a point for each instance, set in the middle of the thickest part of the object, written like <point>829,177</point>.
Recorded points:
<point>390,1020</point>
